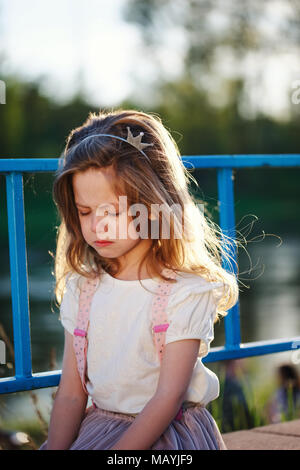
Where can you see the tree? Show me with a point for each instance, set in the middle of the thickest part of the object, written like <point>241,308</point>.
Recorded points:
<point>222,39</point>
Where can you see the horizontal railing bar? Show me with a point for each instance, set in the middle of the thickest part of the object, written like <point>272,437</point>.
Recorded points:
<point>28,164</point>
<point>258,348</point>
<point>241,161</point>
<point>190,161</point>
<point>20,384</point>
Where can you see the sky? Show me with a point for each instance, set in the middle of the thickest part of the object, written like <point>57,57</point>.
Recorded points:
<point>69,44</point>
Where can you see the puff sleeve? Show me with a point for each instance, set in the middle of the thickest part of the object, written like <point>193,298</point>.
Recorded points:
<point>69,304</point>
<point>191,312</point>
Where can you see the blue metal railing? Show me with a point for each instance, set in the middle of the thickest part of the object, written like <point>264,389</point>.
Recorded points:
<point>13,169</point>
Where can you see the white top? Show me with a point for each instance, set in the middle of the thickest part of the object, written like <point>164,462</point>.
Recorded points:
<point>123,364</point>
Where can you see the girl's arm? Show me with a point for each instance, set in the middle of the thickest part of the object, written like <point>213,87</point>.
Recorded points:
<point>176,372</point>
<point>69,404</point>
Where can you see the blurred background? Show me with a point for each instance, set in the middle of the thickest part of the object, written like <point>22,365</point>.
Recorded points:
<point>225,78</point>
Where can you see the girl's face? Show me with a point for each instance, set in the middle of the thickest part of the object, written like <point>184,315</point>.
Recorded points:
<point>105,217</point>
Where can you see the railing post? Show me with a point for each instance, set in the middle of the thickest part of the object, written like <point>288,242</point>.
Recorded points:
<point>19,275</point>
<point>227,224</point>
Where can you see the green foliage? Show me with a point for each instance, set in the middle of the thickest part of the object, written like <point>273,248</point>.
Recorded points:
<point>34,125</point>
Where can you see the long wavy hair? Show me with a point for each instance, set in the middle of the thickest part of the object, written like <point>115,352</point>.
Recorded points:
<point>160,179</point>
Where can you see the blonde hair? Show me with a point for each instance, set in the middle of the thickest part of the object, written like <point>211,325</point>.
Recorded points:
<point>163,181</point>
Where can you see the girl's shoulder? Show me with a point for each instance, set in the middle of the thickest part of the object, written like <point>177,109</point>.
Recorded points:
<point>74,282</point>
<point>190,284</point>
<point>196,283</point>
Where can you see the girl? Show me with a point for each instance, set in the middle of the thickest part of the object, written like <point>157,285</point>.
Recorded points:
<point>138,311</point>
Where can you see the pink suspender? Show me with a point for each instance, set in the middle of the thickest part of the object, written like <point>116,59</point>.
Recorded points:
<point>80,333</point>
<point>159,323</point>
<point>160,320</point>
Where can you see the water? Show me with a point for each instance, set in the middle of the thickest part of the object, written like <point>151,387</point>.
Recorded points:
<point>269,309</point>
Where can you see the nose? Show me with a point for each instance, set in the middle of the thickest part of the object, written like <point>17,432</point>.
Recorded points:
<point>98,224</point>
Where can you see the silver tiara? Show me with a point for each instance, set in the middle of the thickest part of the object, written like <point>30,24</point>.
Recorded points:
<point>135,141</point>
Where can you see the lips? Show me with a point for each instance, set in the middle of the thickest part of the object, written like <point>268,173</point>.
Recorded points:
<point>103,242</point>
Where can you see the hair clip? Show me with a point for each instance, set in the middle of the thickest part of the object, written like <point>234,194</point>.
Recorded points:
<point>137,140</point>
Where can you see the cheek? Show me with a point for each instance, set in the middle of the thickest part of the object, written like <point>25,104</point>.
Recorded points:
<point>112,227</point>
<point>84,227</point>
<point>138,227</point>
<point>123,226</point>
<point>118,228</point>
<point>126,228</point>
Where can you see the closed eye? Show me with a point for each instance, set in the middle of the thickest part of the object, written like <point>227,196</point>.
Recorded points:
<point>87,213</point>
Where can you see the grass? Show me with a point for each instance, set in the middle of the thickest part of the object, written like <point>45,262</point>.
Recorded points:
<point>258,404</point>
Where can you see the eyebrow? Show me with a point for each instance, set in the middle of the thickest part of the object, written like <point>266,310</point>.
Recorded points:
<point>116,204</point>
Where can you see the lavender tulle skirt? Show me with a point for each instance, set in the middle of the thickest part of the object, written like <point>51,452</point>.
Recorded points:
<point>196,430</point>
